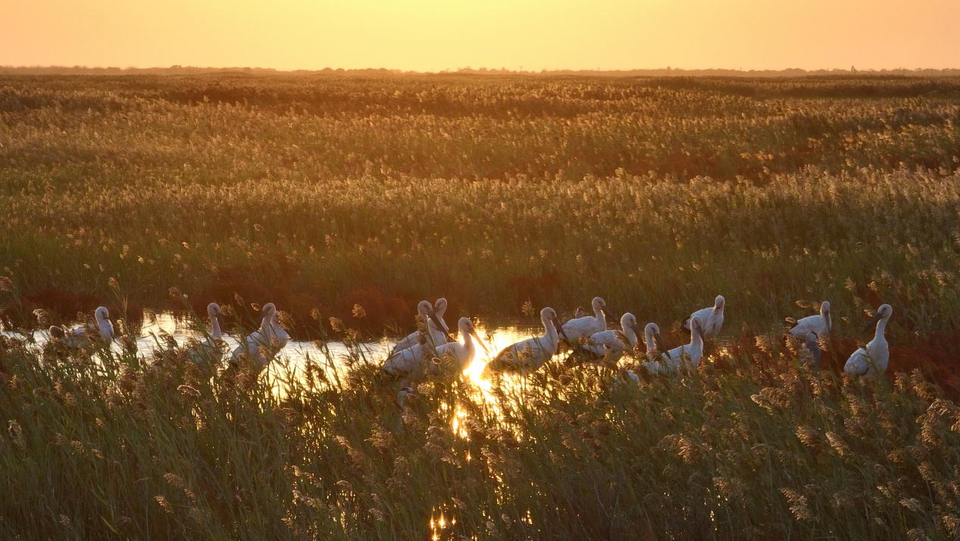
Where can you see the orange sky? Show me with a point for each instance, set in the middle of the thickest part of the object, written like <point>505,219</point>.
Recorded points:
<point>431,35</point>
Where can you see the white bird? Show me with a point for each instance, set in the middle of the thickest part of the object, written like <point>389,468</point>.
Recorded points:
<point>684,356</point>
<point>208,349</point>
<point>818,325</point>
<point>871,361</point>
<point>413,363</point>
<point>263,344</point>
<point>463,354</point>
<point>409,363</point>
<point>100,333</point>
<point>432,318</point>
<point>609,346</point>
<point>532,353</point>
<point>651,338</point>
<point>271,327</point>
<point>58,335</point>
<point>584,327</point>
<point>711,318</point>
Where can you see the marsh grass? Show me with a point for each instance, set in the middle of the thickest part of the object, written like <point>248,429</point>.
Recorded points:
<point>331,191</point>
<point>324,194</point>
<point>744,448</point>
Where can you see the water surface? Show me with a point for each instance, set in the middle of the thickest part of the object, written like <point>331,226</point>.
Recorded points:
<point>157,326</point>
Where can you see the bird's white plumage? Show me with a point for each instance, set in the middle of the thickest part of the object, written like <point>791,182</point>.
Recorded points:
<point>99,333</point>
<point>711,317</point>
<point>209,349</point>
<point>413,363</point>
<point>872,360</point>
<point>651,338</point>
<point>440,309</point>
<point>584,327</point>
<point>817,325</point>
<point>409,363</point>
<point>687,356</point>
<point>609,345</point>
<point>104,326</point>
<point>423,310</point>
<point>273,330</point>
<point>462,353</point>
<point>70,338</point>
<point>431,317</point>
<point>263,344</point>
<point>530,354</point>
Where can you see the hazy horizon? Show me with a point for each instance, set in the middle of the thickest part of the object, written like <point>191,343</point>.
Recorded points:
<point>53,68</point>
<point>432,36</point>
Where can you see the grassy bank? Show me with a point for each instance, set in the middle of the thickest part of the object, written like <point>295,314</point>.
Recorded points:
<point>749,447</point>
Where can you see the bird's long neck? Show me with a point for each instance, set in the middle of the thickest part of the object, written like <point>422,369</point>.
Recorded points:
<point>881,329</point>
<point>630,334</point>
<point>104,326</point>
<point>648,338</point>
<point>266,326</point>
<point>551,333</point>
<point>598,312</point>
<point>695,339</point>
<point>215,327</point>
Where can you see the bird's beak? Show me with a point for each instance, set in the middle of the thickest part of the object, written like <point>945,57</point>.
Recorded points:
<point>440,325</point>
<point>443,324</point>
<point>659,342</point>
<point>560,329</point>
<point>479,341</point>
<point>873,322</point>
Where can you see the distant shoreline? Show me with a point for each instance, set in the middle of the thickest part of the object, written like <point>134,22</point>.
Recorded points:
<point>667,72</point>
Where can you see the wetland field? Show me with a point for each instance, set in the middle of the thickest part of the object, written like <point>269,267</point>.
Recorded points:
<point>347,197</point>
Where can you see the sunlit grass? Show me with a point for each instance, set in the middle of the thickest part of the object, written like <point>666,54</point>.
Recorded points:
<point>347,199</point>
<point>335,191</point>
<point>762,447</point>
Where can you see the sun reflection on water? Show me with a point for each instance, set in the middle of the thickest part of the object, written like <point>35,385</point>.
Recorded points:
<point>297,358</point>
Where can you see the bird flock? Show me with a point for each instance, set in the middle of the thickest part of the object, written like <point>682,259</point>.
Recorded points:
<point>422,353</point>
